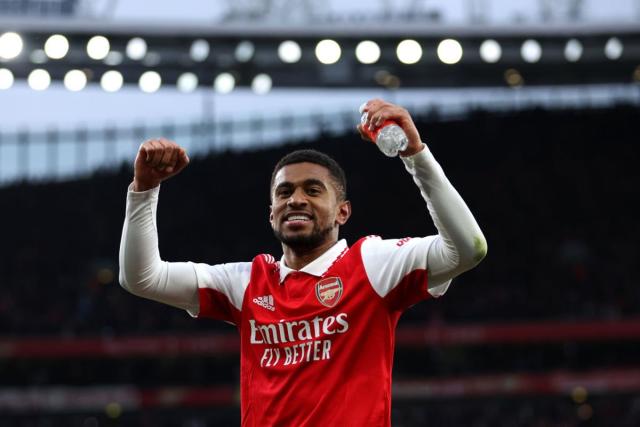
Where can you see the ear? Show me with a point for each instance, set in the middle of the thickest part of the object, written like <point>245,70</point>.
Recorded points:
<point>344,212</point>
<point>271,215</point>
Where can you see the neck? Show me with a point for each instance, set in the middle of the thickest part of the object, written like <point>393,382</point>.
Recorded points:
<point>297,259</point>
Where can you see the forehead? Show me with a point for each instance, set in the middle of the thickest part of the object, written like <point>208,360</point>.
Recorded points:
<point>297,173</point>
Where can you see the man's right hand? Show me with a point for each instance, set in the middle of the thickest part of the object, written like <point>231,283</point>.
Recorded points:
<point>157,160</point>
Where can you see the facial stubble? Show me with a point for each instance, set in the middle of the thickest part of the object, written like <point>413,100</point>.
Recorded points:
<point>301,242</point>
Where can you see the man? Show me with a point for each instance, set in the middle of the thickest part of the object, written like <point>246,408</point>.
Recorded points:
<point>317,327</point>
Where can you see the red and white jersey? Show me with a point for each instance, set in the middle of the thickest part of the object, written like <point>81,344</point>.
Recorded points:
<point>317,344</point>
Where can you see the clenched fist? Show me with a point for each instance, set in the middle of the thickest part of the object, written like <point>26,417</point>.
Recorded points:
<point>157,160</point>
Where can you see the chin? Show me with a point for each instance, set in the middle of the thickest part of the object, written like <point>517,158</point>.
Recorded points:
<point>299,240</point>
<point>295,237</point>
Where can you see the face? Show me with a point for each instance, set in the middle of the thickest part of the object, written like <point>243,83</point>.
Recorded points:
<point>305,210</point>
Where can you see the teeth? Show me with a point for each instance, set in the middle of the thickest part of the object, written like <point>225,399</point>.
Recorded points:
<point>298,218</point>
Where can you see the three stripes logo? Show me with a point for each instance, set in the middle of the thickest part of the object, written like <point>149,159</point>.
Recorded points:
<point>265,302</point>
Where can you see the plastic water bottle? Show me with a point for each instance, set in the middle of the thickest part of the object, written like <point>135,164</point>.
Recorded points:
<point>389,137</point>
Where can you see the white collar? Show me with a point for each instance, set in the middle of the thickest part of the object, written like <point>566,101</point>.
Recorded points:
<point>320,265</point>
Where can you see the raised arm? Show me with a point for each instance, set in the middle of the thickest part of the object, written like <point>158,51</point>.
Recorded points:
<point>460,244</point>
<point>142,272</point>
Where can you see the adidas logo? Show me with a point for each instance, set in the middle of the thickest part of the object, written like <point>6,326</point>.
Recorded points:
<point>266,302</point>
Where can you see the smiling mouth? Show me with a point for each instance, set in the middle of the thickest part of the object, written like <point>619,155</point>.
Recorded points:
<point>297,219</point>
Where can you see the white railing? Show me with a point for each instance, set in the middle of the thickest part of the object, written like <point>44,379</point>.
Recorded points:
<point>62,154</point>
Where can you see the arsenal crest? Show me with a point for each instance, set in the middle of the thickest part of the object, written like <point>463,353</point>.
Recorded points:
<point>329,291</point>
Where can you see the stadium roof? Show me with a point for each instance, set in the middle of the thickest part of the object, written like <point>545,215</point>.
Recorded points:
<point>473,55</point>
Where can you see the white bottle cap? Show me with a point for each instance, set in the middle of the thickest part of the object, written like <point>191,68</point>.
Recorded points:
<point>361,109</point>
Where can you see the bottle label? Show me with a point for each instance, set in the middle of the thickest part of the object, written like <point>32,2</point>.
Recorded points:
<point>373,134</point>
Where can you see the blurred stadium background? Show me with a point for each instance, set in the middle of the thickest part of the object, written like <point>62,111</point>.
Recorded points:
<point>532,110</point>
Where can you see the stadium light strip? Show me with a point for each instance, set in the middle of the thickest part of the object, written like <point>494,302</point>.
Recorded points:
<point>328,51</point>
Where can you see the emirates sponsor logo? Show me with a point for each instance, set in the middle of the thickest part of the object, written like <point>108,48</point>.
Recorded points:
<point>329,291</point>
<point>288,343</point>
<point>265,302</point>
<point>297,330</point>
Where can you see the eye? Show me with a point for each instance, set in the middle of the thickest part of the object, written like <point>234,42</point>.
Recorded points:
<point>313,191</point>
<point>283,192</point>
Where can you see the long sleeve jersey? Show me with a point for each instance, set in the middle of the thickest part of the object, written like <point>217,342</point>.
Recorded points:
<point>317,343</point>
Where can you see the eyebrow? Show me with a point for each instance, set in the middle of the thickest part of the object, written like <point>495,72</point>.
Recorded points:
<point>306,182</point>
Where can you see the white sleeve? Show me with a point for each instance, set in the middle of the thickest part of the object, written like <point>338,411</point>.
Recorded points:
<point>221,288</point>
<point>387,262</point>
<point>460,244</point>
<point>143,273</point>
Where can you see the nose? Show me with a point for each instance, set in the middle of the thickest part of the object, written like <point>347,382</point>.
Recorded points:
<point>297,198</point>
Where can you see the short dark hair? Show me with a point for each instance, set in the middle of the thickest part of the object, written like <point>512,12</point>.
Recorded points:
<point>313,156</point>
